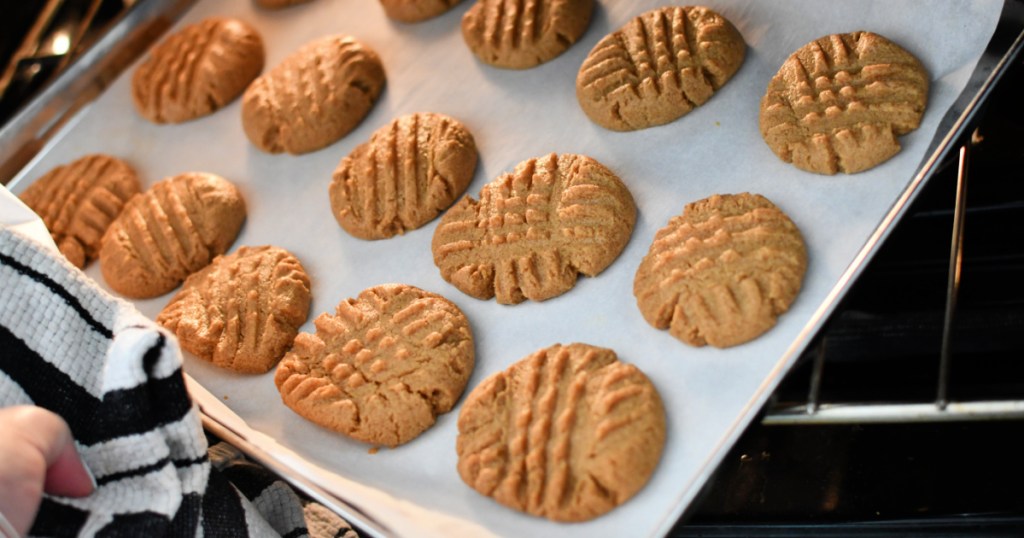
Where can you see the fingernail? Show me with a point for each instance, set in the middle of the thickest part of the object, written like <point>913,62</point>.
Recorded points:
<point>92,477</point>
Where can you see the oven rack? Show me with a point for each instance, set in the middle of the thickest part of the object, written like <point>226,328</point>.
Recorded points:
<point>818,411</point>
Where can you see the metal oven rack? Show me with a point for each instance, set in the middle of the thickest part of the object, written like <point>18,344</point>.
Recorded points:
<point>818,410</point>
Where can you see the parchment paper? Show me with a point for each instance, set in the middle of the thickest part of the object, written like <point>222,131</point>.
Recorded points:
<point>709,394</point>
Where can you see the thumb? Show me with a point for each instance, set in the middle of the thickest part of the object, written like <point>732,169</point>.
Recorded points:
<point>67,475</point>
<point>37,453</point>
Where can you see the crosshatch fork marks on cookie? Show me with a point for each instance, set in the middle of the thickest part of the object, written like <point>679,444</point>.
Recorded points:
<point>658,67</point>
<point>315,96</point>
<point>79,200</point>
<point>535,229</point>
<point>242,311</point>
<point>567,433</point>
<point>838,103</point>
<point>722,272</point>
<point>382,367</point>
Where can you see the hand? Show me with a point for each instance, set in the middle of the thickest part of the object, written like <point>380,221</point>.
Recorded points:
<point>37,454</point>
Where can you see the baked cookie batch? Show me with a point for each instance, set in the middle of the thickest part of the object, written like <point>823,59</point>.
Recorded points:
<point>570,431</point>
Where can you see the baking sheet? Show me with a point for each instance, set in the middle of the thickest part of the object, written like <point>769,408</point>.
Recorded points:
<point>709,394</point>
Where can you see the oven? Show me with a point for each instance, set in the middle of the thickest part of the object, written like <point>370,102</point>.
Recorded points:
<point>900,417</point>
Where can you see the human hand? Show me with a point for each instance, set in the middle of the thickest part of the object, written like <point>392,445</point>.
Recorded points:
<point>37,454</point>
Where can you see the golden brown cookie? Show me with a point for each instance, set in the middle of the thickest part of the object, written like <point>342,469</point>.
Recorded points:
<point>278,4</point>
<point>78,201</point>
<point>567,433</point>
<point>242,311</point>
<point>416,10</point>
<point>383,367</point>
<point>519,34</point>
<point>197,70</point>
<point>170,231</point>
<point>314,97</point>
<point>722,272</point>
<point>658,67</point>
<point>406,174</point>
<point>838,103</point>
<point>535,229</point>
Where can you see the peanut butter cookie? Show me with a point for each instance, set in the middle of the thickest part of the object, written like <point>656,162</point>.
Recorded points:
<point>242,311</point>
<point>278,4</point>
<point>722,272</point>
<point>406,174</point>
<point>520,34</point>
<point>197,70</point>
<point>535,229</point>
<point>383,367</point>
<point>838,103</point>
<point>567,433</point>
<point>658,67</point>
<point>169,232</point>
<point>314,97</point>
<point>416,10</point>
<point>78,201</point>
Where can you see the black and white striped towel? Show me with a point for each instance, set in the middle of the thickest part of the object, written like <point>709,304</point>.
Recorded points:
<point>116,378</point>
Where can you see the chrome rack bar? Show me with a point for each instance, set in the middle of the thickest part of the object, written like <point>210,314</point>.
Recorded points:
<point>892,413</point>
<point>814,392</point>
<point>956,257</point>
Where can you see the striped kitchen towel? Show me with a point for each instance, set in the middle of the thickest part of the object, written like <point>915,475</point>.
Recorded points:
<point>116,378</point>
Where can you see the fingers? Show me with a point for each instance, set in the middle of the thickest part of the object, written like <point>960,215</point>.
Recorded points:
<point>68,476</point>
<point>49,434</point>
<point>37,454</point>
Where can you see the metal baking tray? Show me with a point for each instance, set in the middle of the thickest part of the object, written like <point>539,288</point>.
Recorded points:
<point>710,394</point>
